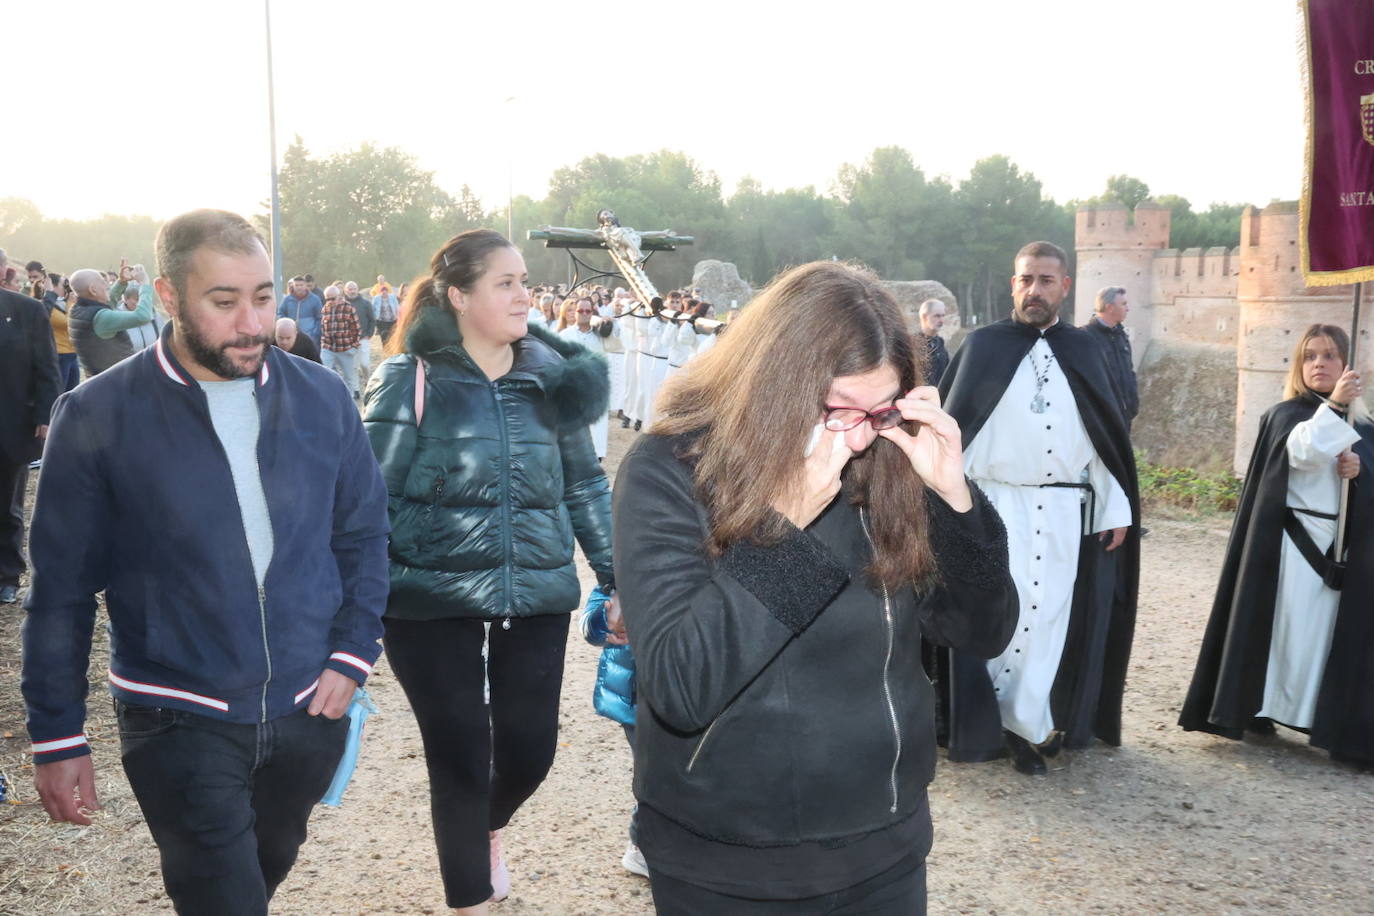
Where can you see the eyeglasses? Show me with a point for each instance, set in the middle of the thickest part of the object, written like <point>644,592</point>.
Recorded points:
<point>584,311</point>
<point>842,419</point>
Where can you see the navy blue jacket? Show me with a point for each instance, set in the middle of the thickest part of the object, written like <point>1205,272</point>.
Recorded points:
<point>136,499</point>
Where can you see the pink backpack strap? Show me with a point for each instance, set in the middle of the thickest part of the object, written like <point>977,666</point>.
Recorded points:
<point>419,391</point>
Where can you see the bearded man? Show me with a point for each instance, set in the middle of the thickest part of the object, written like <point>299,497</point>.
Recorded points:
<point>1045,439</point>
<point>241,624</point>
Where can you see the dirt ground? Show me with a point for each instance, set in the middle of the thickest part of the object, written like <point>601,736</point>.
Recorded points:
<point>1170,822</point>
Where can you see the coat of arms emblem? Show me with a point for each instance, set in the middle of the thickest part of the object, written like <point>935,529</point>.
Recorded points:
<point>1367,117</point>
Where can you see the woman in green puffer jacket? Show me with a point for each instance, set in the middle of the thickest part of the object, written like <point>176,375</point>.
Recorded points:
<point>490,473</point>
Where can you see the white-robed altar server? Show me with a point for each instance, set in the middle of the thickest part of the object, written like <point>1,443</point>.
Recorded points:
<point>682,345</point>
<point>592,333</point>
<point>1045,440</point>
<point>653,367</point>
<point>627,328</point>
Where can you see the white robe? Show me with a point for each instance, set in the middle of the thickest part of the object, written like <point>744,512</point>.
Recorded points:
<point>593,341</point>
<point>681,347</point>
<point>629,339</point>
<point>653,368</point>
<point>1013,455</point>
<point>705,343</point>
<point>1304,608</point>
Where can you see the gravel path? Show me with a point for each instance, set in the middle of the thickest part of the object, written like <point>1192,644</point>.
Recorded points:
<point>1170,822</point>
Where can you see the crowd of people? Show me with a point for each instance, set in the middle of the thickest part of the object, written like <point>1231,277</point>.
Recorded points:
<point>823,503</point>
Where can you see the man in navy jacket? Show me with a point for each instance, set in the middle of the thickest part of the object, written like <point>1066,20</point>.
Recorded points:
<point>226,500</point>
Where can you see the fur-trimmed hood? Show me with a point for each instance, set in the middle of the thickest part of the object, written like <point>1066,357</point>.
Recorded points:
<point>577,380</point>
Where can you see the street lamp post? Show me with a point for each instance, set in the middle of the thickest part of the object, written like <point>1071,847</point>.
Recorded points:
<point>272,134</point>
<point>510,174</point>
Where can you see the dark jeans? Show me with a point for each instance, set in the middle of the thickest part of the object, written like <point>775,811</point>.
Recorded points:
<point>634,812</point>
<point>227,803</point>
<point>12,480</point>
<point>69,370</point>
<point>483,761</point>
<point>899,891</point>
<point>384,329</point>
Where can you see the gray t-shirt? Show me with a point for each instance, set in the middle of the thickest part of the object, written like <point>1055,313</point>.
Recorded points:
<point>234,413</point>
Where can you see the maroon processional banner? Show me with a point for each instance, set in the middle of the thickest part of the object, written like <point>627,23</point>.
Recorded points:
<point>1338,187</point>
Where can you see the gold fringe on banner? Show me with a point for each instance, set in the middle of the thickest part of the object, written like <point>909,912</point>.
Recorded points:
<point>1311,277</point>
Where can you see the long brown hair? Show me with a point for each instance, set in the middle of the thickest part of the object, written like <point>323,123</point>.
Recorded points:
<point>1295,387</point>
<point>460,263</point>
<point>750,402</point>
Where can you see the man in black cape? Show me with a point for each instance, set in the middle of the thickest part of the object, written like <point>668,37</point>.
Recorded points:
<point>1227,689</point>
<point>1088,675</point>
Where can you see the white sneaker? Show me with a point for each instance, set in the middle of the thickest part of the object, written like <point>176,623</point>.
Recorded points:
<point>500,875</point>
<point>633,860</point>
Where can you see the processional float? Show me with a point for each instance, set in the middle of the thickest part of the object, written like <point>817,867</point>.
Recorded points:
<point>629,249</point>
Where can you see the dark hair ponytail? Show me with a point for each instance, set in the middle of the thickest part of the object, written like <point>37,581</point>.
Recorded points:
<point>458,264</point>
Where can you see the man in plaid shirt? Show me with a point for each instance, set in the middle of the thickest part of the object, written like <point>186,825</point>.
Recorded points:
<point>340,336</point>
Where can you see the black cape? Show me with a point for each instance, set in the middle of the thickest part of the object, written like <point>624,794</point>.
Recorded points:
<point>1227,689</point>
<point>1087,694</point>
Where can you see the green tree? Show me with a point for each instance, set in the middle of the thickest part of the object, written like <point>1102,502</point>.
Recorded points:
<point>363,212</point>
<point>888,214</point>
<point>1000,208</point>
<point>774,230</point>
<point>1125,190</point>
<point>65,245</point>
<point>1218,225</point>
<point>660,190</point>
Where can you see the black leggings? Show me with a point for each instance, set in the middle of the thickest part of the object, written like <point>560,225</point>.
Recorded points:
<point>483,761</point>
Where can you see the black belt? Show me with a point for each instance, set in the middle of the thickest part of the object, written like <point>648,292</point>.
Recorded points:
<point>1324,565</point>
<point>1092,499</point>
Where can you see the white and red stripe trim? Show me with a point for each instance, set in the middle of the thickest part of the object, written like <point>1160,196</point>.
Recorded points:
<point>306,692</point>
<point>353,660</point>
<point>166,364</point>
<point>58,744</point>
<point>158,690</point>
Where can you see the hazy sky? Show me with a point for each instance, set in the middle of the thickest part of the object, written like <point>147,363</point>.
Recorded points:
<point>154,106</point>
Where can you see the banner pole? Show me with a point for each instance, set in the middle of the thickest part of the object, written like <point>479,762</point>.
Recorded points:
<point>1350,418</point>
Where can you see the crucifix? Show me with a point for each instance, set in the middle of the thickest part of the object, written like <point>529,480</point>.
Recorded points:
<point>629,250</point>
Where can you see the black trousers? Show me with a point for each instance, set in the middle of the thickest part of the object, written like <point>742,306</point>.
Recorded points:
<point>13,478</point>
<point>899,891</point>
<point>227,803</point>
<point>484,762</point>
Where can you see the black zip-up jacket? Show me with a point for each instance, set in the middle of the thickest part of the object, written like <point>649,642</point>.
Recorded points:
<point>1117,346</point>
<point>782,696</point>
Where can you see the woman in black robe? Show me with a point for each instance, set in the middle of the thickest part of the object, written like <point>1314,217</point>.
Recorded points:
<point>1245,637</point>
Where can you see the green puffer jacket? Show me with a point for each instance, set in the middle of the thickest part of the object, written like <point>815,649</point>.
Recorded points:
<point>486,495</point>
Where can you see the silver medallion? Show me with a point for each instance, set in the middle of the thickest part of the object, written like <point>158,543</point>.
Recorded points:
<point>1038,403</point>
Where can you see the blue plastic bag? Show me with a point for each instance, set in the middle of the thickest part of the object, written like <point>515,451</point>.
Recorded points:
<point>358,711</point>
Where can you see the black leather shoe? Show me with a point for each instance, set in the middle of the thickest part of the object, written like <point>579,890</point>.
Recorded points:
<point>624,422</point>
<point>9,594</point>
<point>638,424</point>
<point>1051,748</point>
<point>1024,757</point>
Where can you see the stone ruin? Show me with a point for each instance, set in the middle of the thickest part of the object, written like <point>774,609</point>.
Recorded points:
<point>911,293</point>
<point>721,285</point>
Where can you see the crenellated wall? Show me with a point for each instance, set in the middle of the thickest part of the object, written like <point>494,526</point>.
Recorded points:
<point>1116,247</point>
<point>1274,307</point>
<point>1192,308</point>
